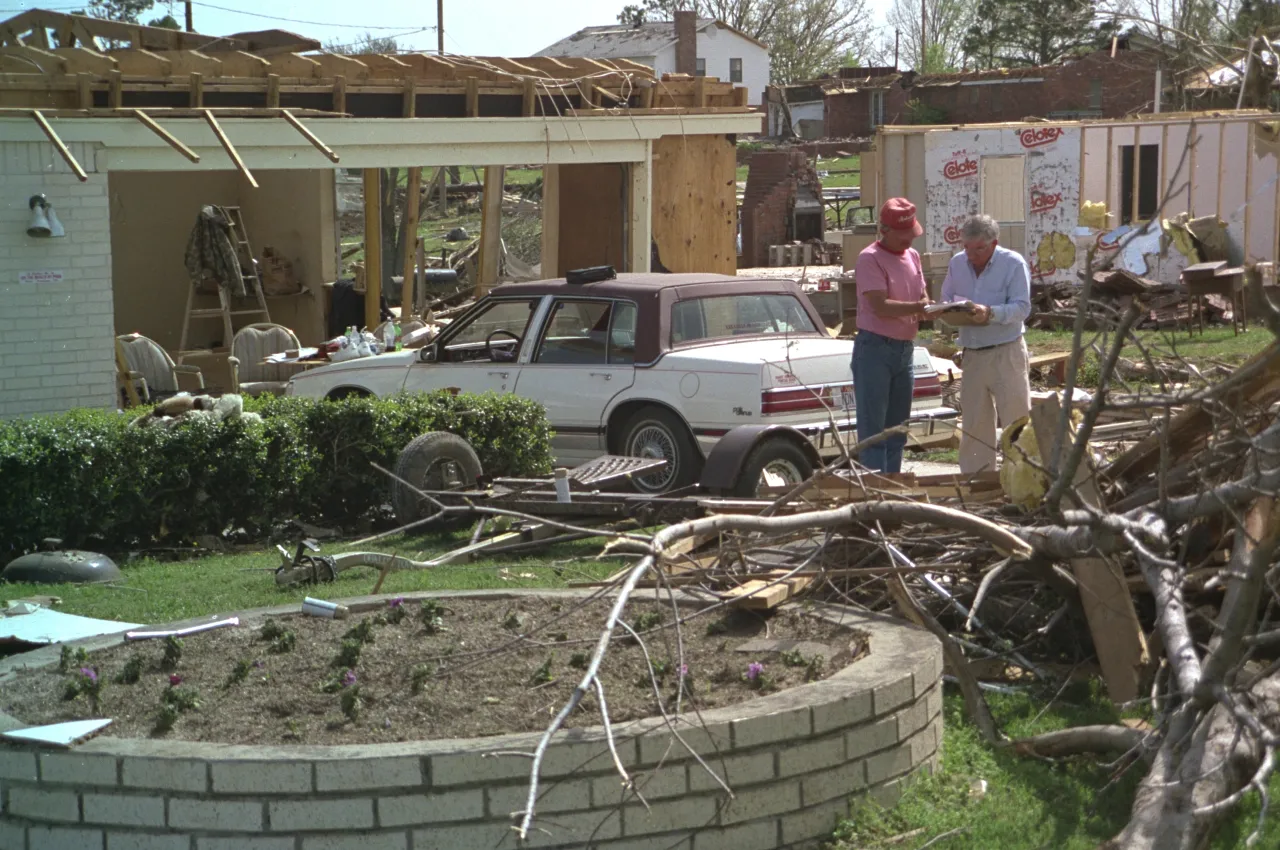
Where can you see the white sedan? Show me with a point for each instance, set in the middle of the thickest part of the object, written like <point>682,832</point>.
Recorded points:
<point>649,365</point>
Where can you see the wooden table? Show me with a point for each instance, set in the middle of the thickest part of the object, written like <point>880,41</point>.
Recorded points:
<point>1215,278</point>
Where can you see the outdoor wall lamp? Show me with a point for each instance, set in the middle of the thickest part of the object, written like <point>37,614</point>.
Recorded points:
<point>44,221</point>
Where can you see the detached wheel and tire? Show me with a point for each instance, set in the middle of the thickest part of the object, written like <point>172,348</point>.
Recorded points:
<point>437,460</point>
<point>653,432</point>
<point>774,462</point>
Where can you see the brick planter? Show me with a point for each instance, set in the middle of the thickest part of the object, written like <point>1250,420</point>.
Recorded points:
<point>794,759</point>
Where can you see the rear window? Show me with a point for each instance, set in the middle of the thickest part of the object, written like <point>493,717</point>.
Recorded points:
<point>726,316</point>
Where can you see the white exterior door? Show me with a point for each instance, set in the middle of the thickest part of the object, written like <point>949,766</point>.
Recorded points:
<point>584,357</point>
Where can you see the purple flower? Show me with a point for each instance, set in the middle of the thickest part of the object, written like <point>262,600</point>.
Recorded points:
<point>395,603</point>
<point>174,680</point>
<point>90,674</point>
<point>754,669</point>
<point>259,664</point>
<point>348,678</point>
<point>684,671</point>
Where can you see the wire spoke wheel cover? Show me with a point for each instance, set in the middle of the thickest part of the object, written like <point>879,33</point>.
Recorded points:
<point>653,440</point>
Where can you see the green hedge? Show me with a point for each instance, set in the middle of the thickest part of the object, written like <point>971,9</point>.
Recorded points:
<point>90,479</point>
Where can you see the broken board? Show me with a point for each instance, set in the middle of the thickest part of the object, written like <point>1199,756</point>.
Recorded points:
<point>767,592</point>
<point>58,734</point>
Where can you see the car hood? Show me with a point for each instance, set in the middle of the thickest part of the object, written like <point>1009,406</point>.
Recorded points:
<point>390,360</point>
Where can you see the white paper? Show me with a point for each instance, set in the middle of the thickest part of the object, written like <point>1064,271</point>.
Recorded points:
<point>948,307</point>
<point>57,734</point>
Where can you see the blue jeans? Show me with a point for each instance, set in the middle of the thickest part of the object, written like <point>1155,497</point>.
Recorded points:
<point>883,382</point>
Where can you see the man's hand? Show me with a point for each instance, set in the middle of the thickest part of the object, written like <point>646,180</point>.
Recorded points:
<point>981,314</point>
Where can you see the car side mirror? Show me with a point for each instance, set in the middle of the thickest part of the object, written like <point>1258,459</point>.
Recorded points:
<point>427,354</point>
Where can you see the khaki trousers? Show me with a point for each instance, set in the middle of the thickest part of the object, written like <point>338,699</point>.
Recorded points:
<point>994,381</point>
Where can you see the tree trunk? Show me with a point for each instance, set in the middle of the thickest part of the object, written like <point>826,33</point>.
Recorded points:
<point>1193,771</point>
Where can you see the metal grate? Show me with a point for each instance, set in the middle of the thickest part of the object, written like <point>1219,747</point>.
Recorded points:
<point>610,467</point>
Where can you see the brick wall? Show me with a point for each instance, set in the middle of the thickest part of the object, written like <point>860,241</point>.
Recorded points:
<point>56,339</point>
<point>769,198</point>
<point>1128,85</point>
<point>794,759</point>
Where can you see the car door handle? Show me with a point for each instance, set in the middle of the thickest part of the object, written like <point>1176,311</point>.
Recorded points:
<point>608,376</point>
<point>502,375</point>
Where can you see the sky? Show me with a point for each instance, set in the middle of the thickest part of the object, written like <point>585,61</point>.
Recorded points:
<point>472,27</point>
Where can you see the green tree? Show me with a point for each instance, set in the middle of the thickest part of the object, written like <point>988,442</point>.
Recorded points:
<point>127,11</point>
<point>1036,32</point>
<point>166,22</point>
<point>367,43</point>
<point>1256,16</point>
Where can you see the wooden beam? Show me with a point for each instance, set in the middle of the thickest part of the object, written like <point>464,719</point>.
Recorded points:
<point>142,63</point>
<point>173,142</point>
<point>473,97</point>
<point>47,62</point>
<point>339,94</point>
<point>372,247</point>
<point>273,91</point>
<point>640,208</point>
<point>410,98</point>
<point>237,63</point>
<point>196,91</point>
<point>84,90</point>
<point>550,221</point>
<point>413,202</point>
<point>530,106</point>
<point>115,94</point>
<point>187,61</point>
<point>293,65</point>
<point>490,228</point>
<point>83,59</point>
<point>334,64</point>
<point>1117,633</point>
<point>309,136</point>
<point>60,147</point>
<point>228,147</point>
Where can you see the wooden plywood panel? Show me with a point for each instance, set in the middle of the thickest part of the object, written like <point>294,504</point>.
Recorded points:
<point>1175,168</point>
<point>915,190</point>
<point>894,166</point>
<point>1232,190</point>
<point>1204,189</point>
<point>593,204</point>
<point>1004,187</point>
<point>695,204</point>
<point>1262,231</point>
<point>1093,179</point>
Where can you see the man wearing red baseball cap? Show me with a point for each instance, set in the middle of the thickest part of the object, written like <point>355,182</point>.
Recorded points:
<point>891,299</point>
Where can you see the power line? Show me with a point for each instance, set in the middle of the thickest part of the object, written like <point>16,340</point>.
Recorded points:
<point>347,25</point>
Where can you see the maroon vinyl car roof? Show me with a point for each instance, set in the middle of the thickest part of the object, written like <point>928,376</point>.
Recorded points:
<point>654,294</point>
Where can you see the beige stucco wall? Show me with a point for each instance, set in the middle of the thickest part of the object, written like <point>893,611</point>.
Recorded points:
<point>152,214</point>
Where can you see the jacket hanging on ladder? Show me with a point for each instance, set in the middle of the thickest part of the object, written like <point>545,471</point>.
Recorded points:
<point>211,253</point>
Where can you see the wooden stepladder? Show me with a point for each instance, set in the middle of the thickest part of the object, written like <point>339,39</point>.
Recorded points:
<point>226,309</point>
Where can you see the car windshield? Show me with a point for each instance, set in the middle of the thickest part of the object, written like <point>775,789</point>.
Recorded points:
<point>724,316</point>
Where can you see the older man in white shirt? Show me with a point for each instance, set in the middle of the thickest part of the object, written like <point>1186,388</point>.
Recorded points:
<point>994,353</point>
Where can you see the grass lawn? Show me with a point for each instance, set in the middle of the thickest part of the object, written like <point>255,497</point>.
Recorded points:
<point>1029,804</point>
<point>155,592</point>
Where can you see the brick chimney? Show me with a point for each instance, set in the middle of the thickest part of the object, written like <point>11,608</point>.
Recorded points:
<point>686,43</point>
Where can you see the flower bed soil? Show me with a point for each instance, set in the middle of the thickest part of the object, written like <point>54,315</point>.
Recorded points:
<point>478,676</point>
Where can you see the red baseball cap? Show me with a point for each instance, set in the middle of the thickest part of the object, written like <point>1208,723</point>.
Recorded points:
<point>900,214</point>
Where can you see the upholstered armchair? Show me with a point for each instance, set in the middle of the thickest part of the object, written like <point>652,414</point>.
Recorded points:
<point>146,372</point>
<point>250,347</point>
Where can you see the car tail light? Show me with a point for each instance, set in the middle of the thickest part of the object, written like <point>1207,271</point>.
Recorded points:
<point>801,399</point>
<point>927,386</point>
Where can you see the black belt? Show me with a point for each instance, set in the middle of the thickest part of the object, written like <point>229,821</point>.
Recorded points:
<point>989,347</point>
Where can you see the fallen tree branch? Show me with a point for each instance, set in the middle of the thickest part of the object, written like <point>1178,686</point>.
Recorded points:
<point>1081,740</point>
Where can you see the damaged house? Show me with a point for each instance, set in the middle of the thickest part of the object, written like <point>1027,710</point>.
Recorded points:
<point>123,134</point>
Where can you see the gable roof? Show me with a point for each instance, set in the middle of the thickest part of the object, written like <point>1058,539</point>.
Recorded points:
<point>623,41</point>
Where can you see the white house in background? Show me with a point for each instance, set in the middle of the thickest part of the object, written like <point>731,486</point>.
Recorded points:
<point>722,51</point>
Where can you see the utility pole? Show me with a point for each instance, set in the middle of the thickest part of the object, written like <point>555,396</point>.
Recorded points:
<point>440,26</point>
<point>190,25</point>
<point>896,33</point>
<point>923,42</point>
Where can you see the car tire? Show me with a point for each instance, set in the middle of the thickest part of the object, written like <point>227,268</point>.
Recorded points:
<point>777,455</point>
<point>436,460</point>
<point>656,432</point>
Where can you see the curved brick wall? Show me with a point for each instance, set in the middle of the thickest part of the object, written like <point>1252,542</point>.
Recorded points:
<point>793,759</point>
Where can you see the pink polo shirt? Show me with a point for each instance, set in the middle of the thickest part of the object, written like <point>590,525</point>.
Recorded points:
<point>900,276</point>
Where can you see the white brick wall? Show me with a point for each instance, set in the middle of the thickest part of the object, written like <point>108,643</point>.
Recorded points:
<point>56,339</point>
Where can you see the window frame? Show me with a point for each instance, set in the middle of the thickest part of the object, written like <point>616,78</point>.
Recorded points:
<point>612,305</point>
<point>735,70</point>
<point>699,67</point>
<point>720,340</point>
